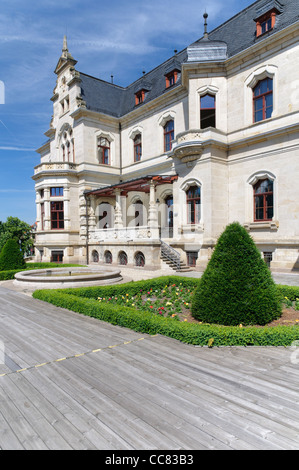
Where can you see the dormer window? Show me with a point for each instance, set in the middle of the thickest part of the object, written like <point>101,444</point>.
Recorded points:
<point>171,78</point>
<point>266,22</point>
<point>139,97</point>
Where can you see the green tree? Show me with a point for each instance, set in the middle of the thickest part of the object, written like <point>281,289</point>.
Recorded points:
<point>237,286</point>
<point>11,257</point>
<point>18,230</point>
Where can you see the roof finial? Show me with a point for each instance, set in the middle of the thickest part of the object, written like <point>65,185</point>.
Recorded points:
<point>205,15</point>
<point>65,48</point>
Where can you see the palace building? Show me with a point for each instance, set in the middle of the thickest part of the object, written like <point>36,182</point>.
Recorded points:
<point>155,171</point>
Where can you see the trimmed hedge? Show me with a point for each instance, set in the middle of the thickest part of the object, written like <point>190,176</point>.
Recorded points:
<point>84,301</point>
<point>237,286</point>
<point>11,257</point>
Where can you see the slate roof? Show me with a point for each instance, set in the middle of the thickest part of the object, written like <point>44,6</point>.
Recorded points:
<point>239,33</point>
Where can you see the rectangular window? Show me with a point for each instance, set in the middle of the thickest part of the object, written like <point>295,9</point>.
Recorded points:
<point>57,215</point>
<point>191,258</point>
<point>56,192</point>
<point>263,100</point>
<point>104,151</point>
<point>57,257</point>
<point>268,257</point>
<point>171,78</point>
<point>263,200</point>
<point>207,111</point>
<point>193,204</point>
<point>139,97</point>
<point>168,135</point>
<point>137,148</point>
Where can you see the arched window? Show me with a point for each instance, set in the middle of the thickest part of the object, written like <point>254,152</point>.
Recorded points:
<point>95,256</point>
<point>122,258</point>
<point>138,205</point>
<point>67,145</point>
<point>108,257</point>
<point>137,148</point>
<point>193,204</point>
<point>105,215</point>
<point>139,259</point>
<point>104,150</point>
<point>263,100</point>
<point>168,135</point>
<point>169,214</point>
<point>263,200</point>
<point>207,111</point>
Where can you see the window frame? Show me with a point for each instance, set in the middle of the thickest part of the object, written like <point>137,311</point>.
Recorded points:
<point>168,134</point>
<point>56,208</point>
<point>202,109</point>
<point>137,147</point>
<point>268,19</point>
<point>262,96</point>
<point>265,207</point>
<point>60,191</point>
<point>139,97</point>
<point>192,202</point>
<point>101,150</point>
<point>171,78</point>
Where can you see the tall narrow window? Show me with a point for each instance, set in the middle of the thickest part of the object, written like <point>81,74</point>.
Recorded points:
<point>263,100</point>
<point>263,200</point>
<point>168,135</point>
<point>104,151</point>
<point>193,204</point>
<point>42,216</point>
<point>207,111</point>
<point>169,215</point>
<point>57,215</point>
<point>138,213</point>
<point>137,148</point>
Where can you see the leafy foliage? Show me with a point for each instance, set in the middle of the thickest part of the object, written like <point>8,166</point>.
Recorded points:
<point>236,287</point>
<point>11,256</point>
<point>85,301</point>
<point>17,229</point>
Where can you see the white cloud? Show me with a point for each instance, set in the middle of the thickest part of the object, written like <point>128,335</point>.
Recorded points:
<point>17,149</point>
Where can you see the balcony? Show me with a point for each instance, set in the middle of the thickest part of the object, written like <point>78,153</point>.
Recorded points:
<point>189,145</point>
<point>54,167</point>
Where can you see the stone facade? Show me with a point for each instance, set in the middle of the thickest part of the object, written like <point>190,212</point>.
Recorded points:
<point>126,204</point>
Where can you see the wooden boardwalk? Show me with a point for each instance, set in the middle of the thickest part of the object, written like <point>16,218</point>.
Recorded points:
<point>72,382</point>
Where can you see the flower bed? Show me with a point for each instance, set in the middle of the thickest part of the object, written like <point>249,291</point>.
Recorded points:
<point>113,304</point>
<point>172,301</point>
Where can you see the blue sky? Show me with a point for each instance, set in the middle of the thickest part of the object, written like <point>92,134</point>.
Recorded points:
<point>115,37</point>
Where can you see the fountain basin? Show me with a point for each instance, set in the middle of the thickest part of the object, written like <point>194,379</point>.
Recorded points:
<point>63,278</point>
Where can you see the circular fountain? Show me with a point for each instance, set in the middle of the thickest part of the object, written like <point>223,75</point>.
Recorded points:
<point>62,278</point>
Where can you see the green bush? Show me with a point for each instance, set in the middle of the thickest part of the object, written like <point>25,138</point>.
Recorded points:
<point>83,300</point>
<point>11,257</point>
<point>236,287</point>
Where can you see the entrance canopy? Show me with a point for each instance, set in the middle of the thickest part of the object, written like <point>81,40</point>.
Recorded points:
<point>138,184</point>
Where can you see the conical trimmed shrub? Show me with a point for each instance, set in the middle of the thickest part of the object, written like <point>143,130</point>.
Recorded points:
<point>237,286</point>
<point>11,257</point>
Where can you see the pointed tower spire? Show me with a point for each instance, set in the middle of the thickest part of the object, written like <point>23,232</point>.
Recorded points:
<point>65,48</point>
<point>66,57</point>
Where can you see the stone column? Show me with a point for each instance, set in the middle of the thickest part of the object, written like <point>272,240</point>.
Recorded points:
<point>118,220</point>
<point>66,209</point>
<point>47,221</point>
<point>152,220</point>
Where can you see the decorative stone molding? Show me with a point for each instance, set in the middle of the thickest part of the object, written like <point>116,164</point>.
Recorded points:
<point>272,226</point>
<point>189,147</point>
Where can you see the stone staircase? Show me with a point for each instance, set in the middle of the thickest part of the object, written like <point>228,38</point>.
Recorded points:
<point>173,258</point>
